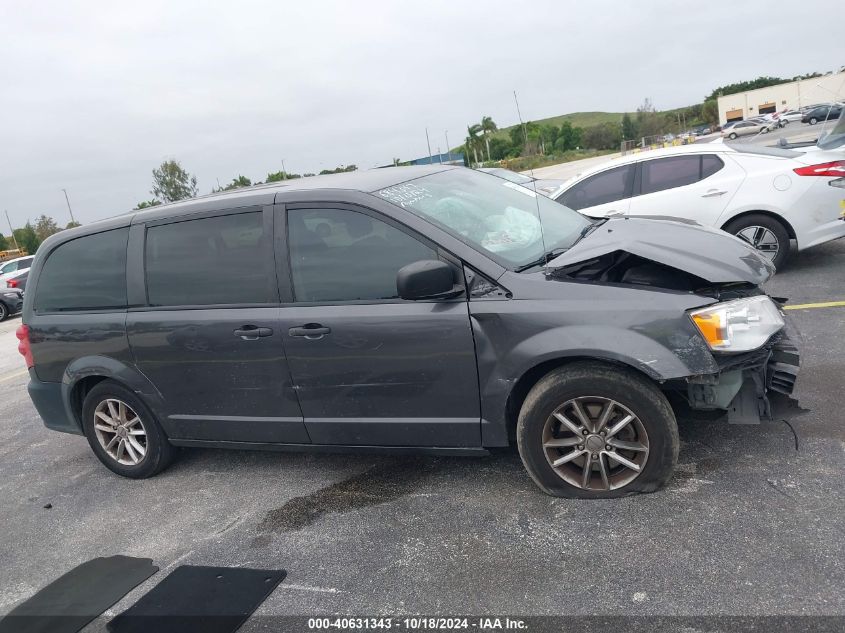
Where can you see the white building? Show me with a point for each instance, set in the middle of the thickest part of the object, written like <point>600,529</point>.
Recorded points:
<point>788,96</point>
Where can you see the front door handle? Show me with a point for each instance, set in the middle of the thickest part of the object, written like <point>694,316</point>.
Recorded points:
<point>253,332</point>
<point>311,331</point>
<point>713,193</point>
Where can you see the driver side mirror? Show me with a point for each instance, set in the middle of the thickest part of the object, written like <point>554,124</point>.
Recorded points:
<point>427,279</point>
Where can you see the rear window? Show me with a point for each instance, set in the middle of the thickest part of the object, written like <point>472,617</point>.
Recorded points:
<point>88,273</point>
<point>217,260</point>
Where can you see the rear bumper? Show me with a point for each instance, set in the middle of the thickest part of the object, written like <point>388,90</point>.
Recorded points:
<point>49,401</point>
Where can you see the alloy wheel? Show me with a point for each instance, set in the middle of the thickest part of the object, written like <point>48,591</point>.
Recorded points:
<point>120,432</point>
<point>762,239</point>
<point>595,443</point>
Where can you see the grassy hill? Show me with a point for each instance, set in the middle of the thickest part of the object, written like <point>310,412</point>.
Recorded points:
<point>589,119</point>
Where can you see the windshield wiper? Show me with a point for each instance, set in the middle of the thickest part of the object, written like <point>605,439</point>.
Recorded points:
<point>550,255</point>
<point>546,257</point>
<point>589,229</point>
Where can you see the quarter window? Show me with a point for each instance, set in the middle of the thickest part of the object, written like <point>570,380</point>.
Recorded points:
<point>607,186</point>
<point>88,273</point>
<point>216,260</point>
<point>343,255</point>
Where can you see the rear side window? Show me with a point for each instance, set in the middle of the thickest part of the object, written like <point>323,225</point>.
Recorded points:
<point>217,260</point>
<point>608,186</point>
<point>88,273</point>
<point>668,173</point>
<point>677,171</point>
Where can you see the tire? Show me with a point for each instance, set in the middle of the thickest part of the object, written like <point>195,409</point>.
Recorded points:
<point>157,451</point>
<point>813,121</point>
<point>732,136</point>
<point>776,228</point>
<point>765,130</point>
<point>596,385</point>
<point>4,311</point>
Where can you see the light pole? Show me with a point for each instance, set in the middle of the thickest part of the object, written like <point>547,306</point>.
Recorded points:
<point>430,161</point>
<point>68,207</point>
<point>448,151</point>
<point>284,171</point>
<point>12,231</point>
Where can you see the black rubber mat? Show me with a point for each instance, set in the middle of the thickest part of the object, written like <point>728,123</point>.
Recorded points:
<point>69,603</point>
<point>199,599</point>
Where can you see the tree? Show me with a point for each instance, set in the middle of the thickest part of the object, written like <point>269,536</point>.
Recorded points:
<point>742,86</point>
<point>172,183</point>
<point>45,226</point>
<point>146,204</point>
<point>237,183</point>
<point>629,129</point>
<point>603,136</point>
<point>72,224</point>
<point>337,170</point>
<point>4,244</point>
<point>710,112</point>
<point>487,128</point>
<point>27,239</point>
<point>281,175</point>
<point>472,140</point>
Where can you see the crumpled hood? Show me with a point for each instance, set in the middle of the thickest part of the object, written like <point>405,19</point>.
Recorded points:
<point>710,254</point>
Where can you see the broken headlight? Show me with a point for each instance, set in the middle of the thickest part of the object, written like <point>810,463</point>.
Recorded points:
<point>740,325</point>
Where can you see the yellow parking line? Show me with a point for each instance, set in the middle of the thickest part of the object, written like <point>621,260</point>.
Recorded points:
<point>15,375</point>
<point>807,306</point>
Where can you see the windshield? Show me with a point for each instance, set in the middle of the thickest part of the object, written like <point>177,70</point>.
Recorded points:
<point>836,137</point>
<point>492,215</point>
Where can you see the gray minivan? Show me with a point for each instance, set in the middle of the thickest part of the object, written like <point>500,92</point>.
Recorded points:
<point>411,309</point>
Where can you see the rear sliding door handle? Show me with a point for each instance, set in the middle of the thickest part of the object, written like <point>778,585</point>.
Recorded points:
<point>252,332</point>
<point>311,331</point>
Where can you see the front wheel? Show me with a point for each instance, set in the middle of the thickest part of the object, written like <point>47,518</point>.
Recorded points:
<point>764,233</point>
<point>813,121</point>
<point>123,433</point>
<point>590,430</point>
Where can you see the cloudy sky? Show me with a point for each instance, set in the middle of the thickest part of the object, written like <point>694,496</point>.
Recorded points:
<point>95,95</point>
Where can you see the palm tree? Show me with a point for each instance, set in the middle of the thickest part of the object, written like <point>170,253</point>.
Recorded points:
<point>472,140</point>
<point>487,128</point>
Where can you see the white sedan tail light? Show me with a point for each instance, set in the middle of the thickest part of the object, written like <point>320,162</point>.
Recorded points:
<point>835,169</point>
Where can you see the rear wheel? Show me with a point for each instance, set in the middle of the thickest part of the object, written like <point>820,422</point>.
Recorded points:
<point>590,430</point>
<point>123,433</point>
<point>813,121</point>
<point>4,311</point>
<point>732,136</point>
<point>766,234</point>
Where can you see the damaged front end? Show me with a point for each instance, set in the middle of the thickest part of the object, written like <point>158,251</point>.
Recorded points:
<point>744,328</point>
<point>749,385</point>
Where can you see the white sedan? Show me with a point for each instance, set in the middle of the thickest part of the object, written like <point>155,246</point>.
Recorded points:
<point>764,195</point>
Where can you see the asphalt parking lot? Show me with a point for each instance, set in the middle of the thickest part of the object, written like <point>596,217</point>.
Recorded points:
<point>750,524</point>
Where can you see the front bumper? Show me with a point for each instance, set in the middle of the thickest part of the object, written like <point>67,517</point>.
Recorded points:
<point>747,382</point>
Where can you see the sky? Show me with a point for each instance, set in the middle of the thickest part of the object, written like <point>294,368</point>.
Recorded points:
<point>95,95</point>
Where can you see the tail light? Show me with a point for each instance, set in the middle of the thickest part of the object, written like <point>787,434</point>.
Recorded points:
<point>12,283</point>
<point>24,347</point>
<point>835,169</point>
